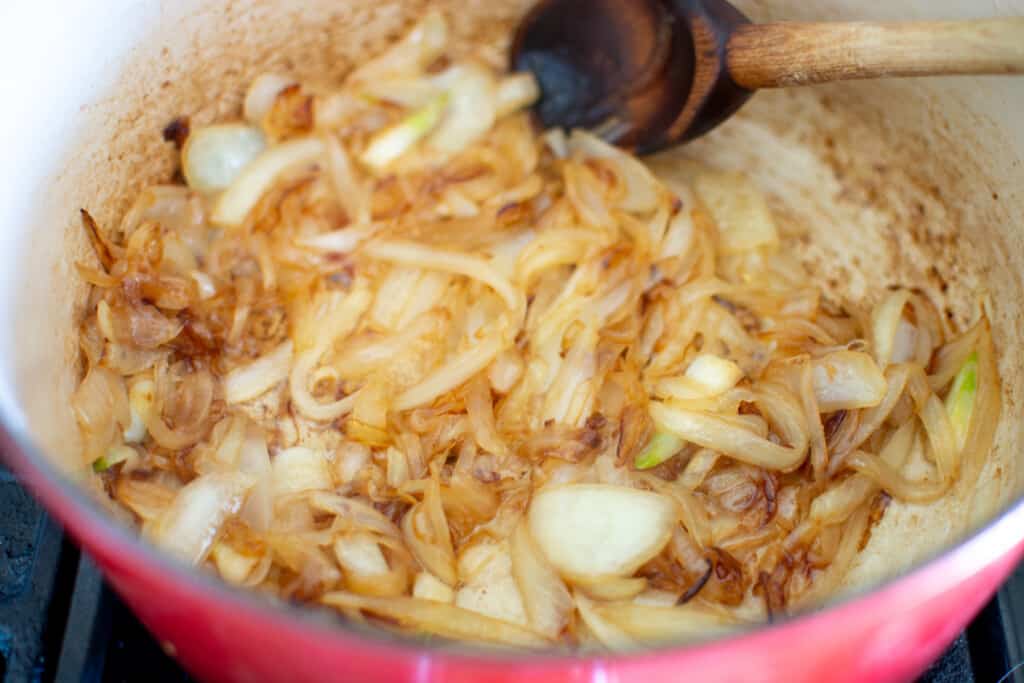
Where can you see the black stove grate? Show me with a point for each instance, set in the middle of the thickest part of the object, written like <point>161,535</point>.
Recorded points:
<point>59,622</point>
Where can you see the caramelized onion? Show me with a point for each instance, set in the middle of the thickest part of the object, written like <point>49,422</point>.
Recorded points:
<point>400,353</point>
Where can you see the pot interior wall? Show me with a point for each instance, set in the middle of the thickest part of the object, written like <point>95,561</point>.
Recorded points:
<point>912,183</point>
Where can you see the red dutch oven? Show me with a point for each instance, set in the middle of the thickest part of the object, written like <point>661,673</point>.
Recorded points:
<point>923,180</point>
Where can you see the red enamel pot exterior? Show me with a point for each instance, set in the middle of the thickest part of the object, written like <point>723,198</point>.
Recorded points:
<point>890,634</point>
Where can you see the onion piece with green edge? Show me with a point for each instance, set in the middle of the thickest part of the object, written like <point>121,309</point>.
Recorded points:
<point>189,526</point>
<point>960,399</point>
<point>259,175</point>
<point>471,107</point>
<point>253,380</point>
<point>389,144</point>
<point>720,434</point>
<point>114,456</point>
<point>661,447</point>
<point>593,531</point>
<point>214,156</point>
<point>707,375</point>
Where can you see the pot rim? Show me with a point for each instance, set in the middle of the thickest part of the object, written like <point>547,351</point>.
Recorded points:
<point>950,565</point>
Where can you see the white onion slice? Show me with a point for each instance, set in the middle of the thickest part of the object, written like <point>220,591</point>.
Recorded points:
<point>339,241</point>
<point>485,571</point>
<point>545,597</point>
<point>215,156</point>
<point>739,209</point>
<point>643,190</point>
<point>472,107</point>
<point>299,469</point>
<point>237,200</point>
<point>141,399</point>
<point>189,526</point>
<point>594,531</point>
<point>256,378</point>
<point>429,587</point>
<point>844,380</point>
<point>394,141</point>
<point>707,375</point>
<point>885,320</point>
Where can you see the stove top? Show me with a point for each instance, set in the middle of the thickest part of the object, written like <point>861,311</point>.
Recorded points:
<point>59,622</point>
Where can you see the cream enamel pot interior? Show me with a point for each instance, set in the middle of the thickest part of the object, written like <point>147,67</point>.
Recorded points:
<point>912,182</point>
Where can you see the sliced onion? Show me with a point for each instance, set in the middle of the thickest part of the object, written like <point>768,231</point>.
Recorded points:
<point>420,256</point>
<point>545,597</point>
<point>442,619</point>
<point>259,175</point>
<point>261,95</point>
<point>249,381</point>
<point>845,380</point>
<point>607,633</point>
<point>391,143</point>
<point>429,587</point>
<point>719,434</point>
<point>305,402</point>
<point>354,195</point>
<point>338,241</point>
<point>651,624</point>
<point>740,211</point>
<point>592,531</point>
<point>354,513</point>
<point>516,92</point>
<point>101,407</point>
<point>298,469</point>
<point>707,375</point>
<point>407,57</point>
<point>451,375</point>
<point>141,399</point>
<point>204,284</point>
<point>643,190</point>
<point>614,588</point>
<point>214,156</point>
<point>471,107</point>
<point>366,569</point>
<point>188,528</point>
<point>488,587</point>
<point>428,550</point>
<point>233,566</point>
<point>960,399</point>
<point>885,321</point>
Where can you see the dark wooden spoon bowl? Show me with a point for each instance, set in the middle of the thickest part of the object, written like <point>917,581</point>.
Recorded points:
<point>647,74</point>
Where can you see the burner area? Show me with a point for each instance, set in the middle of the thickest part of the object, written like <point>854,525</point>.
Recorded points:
<point>59,622</point>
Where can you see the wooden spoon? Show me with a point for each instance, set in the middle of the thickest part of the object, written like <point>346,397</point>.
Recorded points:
<point>646,74</point>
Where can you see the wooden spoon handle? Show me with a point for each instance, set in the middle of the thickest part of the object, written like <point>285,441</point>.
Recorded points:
<point>786,54</point>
